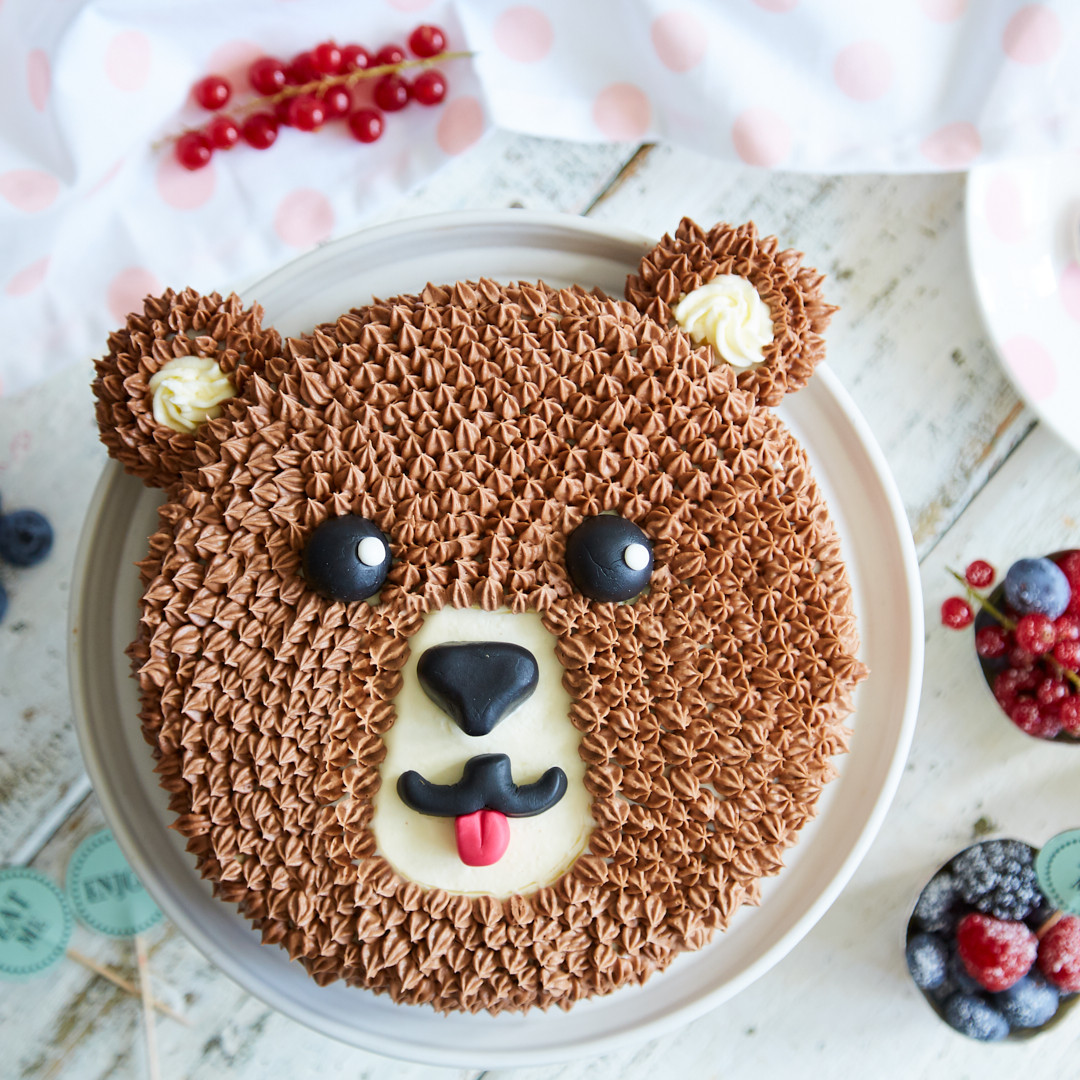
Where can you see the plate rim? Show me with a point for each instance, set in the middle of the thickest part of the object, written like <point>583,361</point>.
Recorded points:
<point>675,1015</point>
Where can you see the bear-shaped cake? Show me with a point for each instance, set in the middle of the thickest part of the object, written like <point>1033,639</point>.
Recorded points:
<point>495,641</point>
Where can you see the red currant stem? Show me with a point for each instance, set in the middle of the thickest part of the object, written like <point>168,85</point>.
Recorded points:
<point>350,78</point>
<point>992,609</point>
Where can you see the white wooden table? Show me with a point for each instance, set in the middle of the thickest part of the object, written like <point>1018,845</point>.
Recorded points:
<point>979,477</point>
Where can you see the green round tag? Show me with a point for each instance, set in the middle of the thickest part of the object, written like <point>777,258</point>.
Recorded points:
<point>104,891</point>
<point>1057,867</point>
<point>35,923</point>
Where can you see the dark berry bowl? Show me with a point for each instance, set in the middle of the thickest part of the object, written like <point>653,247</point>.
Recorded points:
<point>974,945</point>
<point>1034,691</point>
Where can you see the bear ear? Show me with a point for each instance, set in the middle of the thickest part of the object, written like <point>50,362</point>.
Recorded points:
<point>693,257</point>
<point>219,341</point>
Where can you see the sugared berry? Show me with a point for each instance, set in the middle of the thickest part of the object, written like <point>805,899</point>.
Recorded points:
<point>991,641</point>
<point>1067,628</point>
<point>391,93</point>
<point>997,877</point>
<point>193,150</point>
<point>927,956</point>
<point>1030,1003</point>
<point>388,54</point>
<point>1021,659</point>
<point>996,953</point>
<point>260,131</point>
<point>213,92</point>
<point>956,613</point>
<point>307,112</point>
<point>1035,633</point>
<point>326,58</point>
<point>1069,715</point>
<point>1059,953</point>
<point>337,101</point>
<point>1034,719</point>
<point>429,88</point>
<point>1067,654</point>
<point>1007,686</point>
<point>266,75</point>
<point>26,537</point>
<point>1051,691</point>
<point>222,132</point>
<point>938,906</point>
<point>366,125</point>
<point>1037,586</point>
<point>427,41</point>
<point>975,1018</point>
<point>354,58</point>
<point>979,574</point>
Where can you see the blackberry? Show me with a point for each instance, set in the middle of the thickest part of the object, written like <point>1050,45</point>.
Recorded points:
<point>975,1018</point>
<point>939,906</point>
<point>927,956</point>
<point>998,878</point>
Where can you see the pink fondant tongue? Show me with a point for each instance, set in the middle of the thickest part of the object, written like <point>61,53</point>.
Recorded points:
<point>482,837</point>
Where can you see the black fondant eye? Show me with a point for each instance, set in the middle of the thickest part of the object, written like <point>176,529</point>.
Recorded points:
<point>346,558</point>
<point>609,558</point>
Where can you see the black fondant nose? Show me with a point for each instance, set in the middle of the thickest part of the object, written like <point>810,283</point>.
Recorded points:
<point>477,683</point>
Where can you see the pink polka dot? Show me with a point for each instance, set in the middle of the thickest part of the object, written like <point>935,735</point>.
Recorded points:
<point>38,78</point>
<point>943,11</point>
<point>864,70</point>
<point>1032,365</point>
<point>408,5</point>
<point>181,188</point>
<point>232,60</point>
<point>29,189</point>
<point>1033,35</point>
<point>523,33</point>
<point>954,146</point>
<point>779,6</point>
<point>622,112</point>
<point>1004,209</point>
<point>1069,290</point>
<point>28,278</point>
<point>680,40</point>
<point>127,60</point>
<point>761,137</point>
<point>128,289</point>
<point>461,125</point>
<point>106,179</point>
<point>304,218</point>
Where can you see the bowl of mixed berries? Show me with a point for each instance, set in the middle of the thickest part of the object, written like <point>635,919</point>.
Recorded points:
<point>1027,639</point>
<point>991,956</point>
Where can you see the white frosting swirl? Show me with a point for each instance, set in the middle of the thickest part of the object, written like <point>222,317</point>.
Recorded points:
<point>188,390</point>
<point>728,314</point>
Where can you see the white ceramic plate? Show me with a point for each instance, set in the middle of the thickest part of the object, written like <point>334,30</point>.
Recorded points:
<point>508,246</point>
<point>1023,231</point>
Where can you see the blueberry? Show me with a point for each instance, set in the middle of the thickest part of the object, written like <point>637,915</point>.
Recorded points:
<point>998,878</point>
<point>939,903</point>
<point>959,977</point>
<point>975,1018</point>
<point>927,956</point>
<point>26,537</point>
<point>1037,585</point>
<point>1030,1003</point>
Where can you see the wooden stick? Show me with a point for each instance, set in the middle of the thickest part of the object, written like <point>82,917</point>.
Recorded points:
<point>147,1008</point>
<point>129,987</point>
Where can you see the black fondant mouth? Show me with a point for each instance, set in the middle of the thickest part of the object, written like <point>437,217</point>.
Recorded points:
<point>485,784</point>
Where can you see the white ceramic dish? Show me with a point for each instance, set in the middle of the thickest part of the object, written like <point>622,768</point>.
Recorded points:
<point>881,558</point>
<point>1023,232</point>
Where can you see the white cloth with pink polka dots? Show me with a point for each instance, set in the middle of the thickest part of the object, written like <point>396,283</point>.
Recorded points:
<point>94,215</point>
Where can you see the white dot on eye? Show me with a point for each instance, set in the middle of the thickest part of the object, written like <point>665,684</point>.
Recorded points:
<point>636,556</point>
<point>371,551</point>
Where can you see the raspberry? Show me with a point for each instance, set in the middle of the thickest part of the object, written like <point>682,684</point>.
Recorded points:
<point>996,953</point>
<point>991,641</point>
<point>1059,953</point>
<point>1035,633</point>
<point>956,613</point>
<point>1069,715</point>
<point>997,878</point>
<point>979,574</point>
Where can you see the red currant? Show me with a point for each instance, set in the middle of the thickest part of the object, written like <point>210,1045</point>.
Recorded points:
<point>193,150</point>
<point>1067,654</point>
<point>222,132</point>
<point>391,93</point>
<point>1069,564</point>
<point>366,125</point>
<point>427,41</point>
<point>1030,718</point>
<point>266,75</point>
<point>1007,686</point>
<point>389,54</point>
<point>956,613</point>
<point>979,574</point>
<point>1035,633</point>
<point>429,88</point>
<point>307,113</point>
<point>1067,628</point>
<point>281,112</point>
<point>326,58</point>
<point>1069,714</point>
<point>301,70</point>
<point>1021,659</point>
<point>213,92</point>
<point>1051,692</point>
<point>991,641</point>
<point>336,102</point>
<point>355,58</point>
<point>260,131</point>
